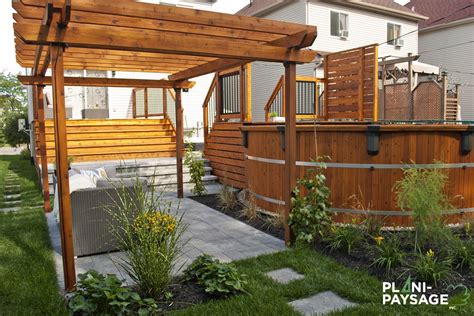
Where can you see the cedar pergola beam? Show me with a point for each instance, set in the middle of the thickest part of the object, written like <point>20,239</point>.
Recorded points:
<point>29,13</point>
<point>300,39</point>
<point>105,37</point>
<point>108,82</point>
<point>201,19</point>
<point>44,28</point>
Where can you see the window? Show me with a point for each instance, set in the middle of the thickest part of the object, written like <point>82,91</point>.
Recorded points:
<point>339,24</point>
<point>393,33</point>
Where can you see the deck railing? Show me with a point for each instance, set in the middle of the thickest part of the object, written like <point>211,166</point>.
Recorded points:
<point>209,107</point>
<point>309,98</point>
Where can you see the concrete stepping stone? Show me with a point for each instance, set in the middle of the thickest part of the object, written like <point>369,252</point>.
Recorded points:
<point>10,209</point>
<point>11,203</point>
<point>9,197</point>
<point>285,275</point>
<point>321,304</point>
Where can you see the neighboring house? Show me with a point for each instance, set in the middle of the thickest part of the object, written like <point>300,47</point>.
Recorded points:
<point>341,25</point>
<point>446,40</point>
<point>117,103</point>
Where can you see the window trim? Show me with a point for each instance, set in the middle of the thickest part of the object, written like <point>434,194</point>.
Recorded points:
<point>392,41</point>
<point>330,22</point>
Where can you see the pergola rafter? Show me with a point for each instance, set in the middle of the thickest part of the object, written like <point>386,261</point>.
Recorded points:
<point>126,35</point>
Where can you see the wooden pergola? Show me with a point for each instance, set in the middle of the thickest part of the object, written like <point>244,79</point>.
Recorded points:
<point>126,35</point>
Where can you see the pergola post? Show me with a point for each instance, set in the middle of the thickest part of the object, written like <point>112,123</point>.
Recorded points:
<point>289,179</point>
<point>62,171</point>
<point>38,96</point>
<point>179,142</point>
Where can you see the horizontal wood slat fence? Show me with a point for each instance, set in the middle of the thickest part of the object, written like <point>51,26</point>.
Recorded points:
<point>225,153</point>
<point>352,84</point>
<point>91,140</point>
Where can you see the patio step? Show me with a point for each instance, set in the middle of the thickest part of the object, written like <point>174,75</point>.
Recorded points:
<point>95,140</point>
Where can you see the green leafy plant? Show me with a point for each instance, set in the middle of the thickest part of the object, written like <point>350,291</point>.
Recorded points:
<point>273,114</point>
<point>70,160</point>
<point>422,191</point>
<point>344,238</point>
<point>387,253</point>
<point>196,169</point>
<point>149,234</point>
<point>97,294</point>
<point>309,217</point>
<point>217,278</point>
<point>431,269</point>
<point>461,253</point>
<point>227,198</point>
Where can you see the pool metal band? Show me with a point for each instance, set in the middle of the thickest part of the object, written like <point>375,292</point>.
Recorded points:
<point>365,166</point>
<point>369,212</point>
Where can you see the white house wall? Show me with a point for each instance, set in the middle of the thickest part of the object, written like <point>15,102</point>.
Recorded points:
<point>458,60</point>
<point>365,28</point>
<point>266,75</point>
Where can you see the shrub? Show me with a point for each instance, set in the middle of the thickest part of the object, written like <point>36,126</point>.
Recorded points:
<point>422,192</point>
<point>387,253</point>
<point>149,234</point>
<point>344,238</point>
<point>461,253</point>
<point>196,170</point>
<point>309,217</point>
<point>25,154</point>
<point>227,198</point>
<point>10,132</point>
<point>217,278</point>
<point>97,294</point>
<point>431,269</point>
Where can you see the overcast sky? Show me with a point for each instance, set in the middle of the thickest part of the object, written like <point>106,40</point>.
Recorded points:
<point>7,51</point>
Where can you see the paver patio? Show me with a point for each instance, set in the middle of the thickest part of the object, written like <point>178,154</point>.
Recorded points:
<point>209,231</point>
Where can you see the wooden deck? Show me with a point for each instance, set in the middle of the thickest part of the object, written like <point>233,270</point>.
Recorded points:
<point>91,140</point>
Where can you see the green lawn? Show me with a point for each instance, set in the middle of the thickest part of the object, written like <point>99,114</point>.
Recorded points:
<point>27,276</point>
<point>321,274</point>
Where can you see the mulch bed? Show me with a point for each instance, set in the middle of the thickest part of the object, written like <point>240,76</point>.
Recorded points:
<point>260,223</point>
<point>185,294</point>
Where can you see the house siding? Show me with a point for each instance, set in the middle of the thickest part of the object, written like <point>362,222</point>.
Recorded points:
<point>365,28</point>
<point>266,75</point>
<point>456,60</point>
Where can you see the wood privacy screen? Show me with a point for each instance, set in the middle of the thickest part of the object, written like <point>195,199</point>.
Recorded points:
<point>352,84</point>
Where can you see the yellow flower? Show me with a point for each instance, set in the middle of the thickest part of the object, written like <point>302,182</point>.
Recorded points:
<point>379,240</point>
<point>430,253</point>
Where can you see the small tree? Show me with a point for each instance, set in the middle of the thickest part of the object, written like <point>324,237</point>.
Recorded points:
<point>13,107</point>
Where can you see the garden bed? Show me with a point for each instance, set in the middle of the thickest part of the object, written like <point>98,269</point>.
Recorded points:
<point>361,258</point>
<point>262,222</point>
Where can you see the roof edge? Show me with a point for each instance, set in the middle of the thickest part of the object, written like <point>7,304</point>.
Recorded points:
<point>266,9</point>
<point>446,25</point>
<point>381,9</point>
